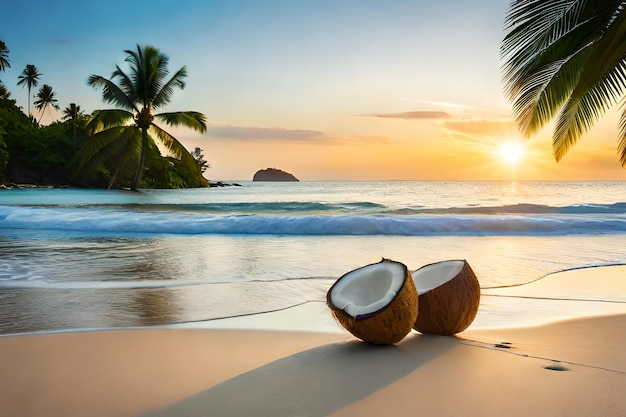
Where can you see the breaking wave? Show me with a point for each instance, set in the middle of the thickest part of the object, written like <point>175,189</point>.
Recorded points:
<point>304,219</point>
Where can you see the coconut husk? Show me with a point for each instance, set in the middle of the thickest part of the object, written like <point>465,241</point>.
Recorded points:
<point>451,307</point>
<point>388,325</point>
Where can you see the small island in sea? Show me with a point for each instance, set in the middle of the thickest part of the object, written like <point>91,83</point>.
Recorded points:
<point>273,174</point>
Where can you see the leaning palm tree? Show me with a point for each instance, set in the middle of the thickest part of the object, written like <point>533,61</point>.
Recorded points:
<point>139,93</point>
<point>4,56</point>
<point>46,98</point>
<point>29,77</point>
<point>565,60</point>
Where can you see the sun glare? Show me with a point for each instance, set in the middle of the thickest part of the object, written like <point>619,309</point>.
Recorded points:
<point>512,153</point>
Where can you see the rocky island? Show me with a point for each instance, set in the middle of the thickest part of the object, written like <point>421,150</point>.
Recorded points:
<point>273,174</point>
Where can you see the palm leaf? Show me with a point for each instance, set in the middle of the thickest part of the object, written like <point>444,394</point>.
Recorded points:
<point>93,145</point>
<point>602,84</point>
<point>126,86</point>
<point>176,149</point>
<point>111,92</point>
<point>191,119</point>
<point>106,119</point>
<point>565,59</point>
<point>164,95</point>
<point>621,146</point>
<point>545,54</point>
<point>120,146</point>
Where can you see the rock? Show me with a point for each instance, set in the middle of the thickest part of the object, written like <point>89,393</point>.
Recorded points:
<point>214,184</point>
<point>273,174</point>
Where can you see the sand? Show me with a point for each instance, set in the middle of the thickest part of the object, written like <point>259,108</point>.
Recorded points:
<point>575,367</point>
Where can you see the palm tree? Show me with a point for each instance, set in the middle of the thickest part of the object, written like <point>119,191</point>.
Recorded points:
<point>45,98</point>
<point>74,116</point>
<point>4,56</point>
<point>565,60</point>
<point>4,92</point>
<point>139,93</point>
<point>29,77</point>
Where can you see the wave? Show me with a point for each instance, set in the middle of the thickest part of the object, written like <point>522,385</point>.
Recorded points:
<point>616,208</point>
<point>176,222</point>
<point>237,207</point>
<point>356,207</point>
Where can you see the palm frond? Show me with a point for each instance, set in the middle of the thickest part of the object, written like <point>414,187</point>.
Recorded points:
<point>564,59</point>
<point>121,145</point>
<point>111,92</point>
<point>602,83</point>
<point>95,144</point>
<point>164,95</point>
<point>176,149</point>
<point>621,145</point>
<point>584,108</point>
<point>126,85</point>
<point>148,70</point>
<point>545,54</point>
<point>191,119</point>
<point>106,119</point>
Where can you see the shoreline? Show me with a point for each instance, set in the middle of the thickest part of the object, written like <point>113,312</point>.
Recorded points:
<point>580,292</point>
<point>266,367</point>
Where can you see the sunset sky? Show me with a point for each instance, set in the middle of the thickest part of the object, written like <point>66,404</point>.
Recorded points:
<point>325,89</point>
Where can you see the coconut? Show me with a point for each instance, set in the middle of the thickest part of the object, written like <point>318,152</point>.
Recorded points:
<point>449,295</point>
<point>377,303</point>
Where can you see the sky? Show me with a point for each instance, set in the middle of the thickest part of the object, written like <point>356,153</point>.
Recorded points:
<point>324,89</point>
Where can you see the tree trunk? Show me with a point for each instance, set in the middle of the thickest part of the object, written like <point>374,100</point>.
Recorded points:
<point>144,145</point>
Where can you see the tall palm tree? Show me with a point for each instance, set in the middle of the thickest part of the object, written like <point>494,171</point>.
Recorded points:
<point>29,77</point>
<point>73,115</point>
<point>565,60</point>
<point>45,98</point>
<point>145,89</point>
<point>4,56</point>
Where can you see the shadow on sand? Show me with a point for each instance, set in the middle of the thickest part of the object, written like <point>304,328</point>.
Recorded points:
<point>315,382</point>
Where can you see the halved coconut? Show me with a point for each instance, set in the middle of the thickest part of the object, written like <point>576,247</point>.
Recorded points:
<point>376,303</point>
<point>449,295</point>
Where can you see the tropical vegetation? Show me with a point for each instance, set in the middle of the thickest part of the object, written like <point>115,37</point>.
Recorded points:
<point>146,88</point>
<point>70,151</point>
<point>45,98</point>
<point>565,60</point>
<point>29,78</point>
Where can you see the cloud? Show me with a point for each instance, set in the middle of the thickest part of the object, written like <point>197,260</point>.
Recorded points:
<point>481,127</point>
<point>262,133</point>
<point>414,115</point>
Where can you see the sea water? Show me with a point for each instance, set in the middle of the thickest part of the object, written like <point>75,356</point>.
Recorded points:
<point>78,258</point>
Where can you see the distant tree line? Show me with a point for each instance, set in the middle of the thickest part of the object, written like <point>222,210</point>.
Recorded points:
<point>112,148</point>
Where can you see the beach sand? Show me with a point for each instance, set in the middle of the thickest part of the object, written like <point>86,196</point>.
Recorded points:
<point>575,367</point>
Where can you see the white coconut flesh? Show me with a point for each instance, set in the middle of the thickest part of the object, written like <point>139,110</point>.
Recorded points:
<point>368,289</point>
<point>435,275</point>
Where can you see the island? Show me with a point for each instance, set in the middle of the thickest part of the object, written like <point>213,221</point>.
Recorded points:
<point>273,174</point>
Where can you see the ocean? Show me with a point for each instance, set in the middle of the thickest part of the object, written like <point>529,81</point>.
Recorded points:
<point>81,259</point>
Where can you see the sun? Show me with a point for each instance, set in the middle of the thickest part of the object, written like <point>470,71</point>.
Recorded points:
<point>512,153</point>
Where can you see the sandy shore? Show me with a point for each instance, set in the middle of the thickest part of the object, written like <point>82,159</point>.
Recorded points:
<point>567,368</point>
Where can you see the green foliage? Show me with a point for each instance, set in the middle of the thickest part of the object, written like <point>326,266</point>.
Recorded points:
<point>109,148</point>
<point>146,87</point>
<point>565,60</point>
<point>4,157</point>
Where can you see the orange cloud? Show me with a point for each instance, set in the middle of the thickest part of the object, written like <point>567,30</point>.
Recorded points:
<point>262,133</point>
<point>413,115</point>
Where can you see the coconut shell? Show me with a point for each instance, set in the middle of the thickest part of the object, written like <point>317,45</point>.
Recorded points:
<point>451,307</point>
<point>388,325</point>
